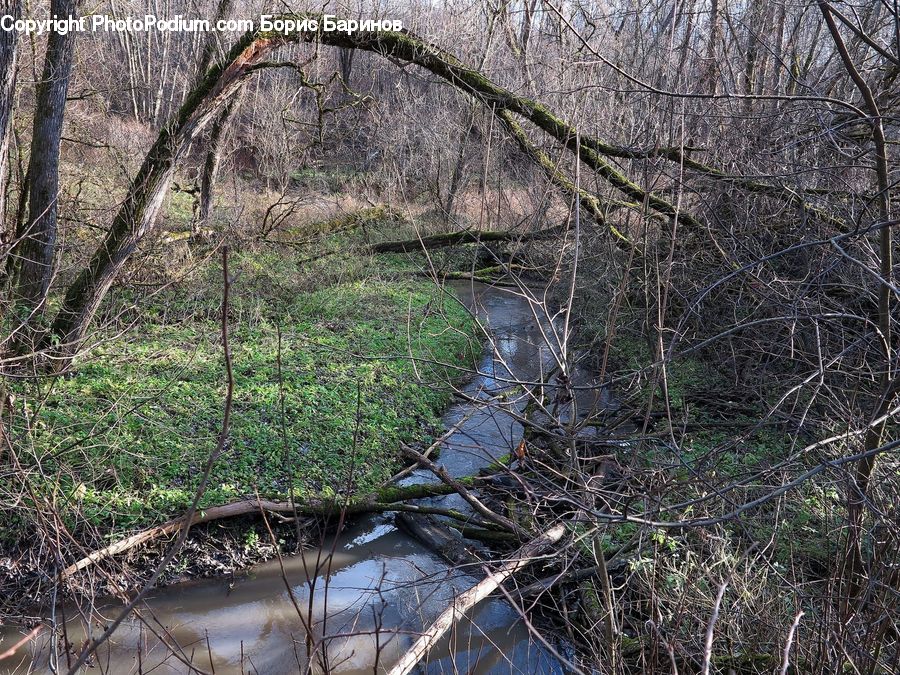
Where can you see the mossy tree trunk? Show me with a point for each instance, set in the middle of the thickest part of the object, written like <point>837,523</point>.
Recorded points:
<point>221,82</point>
<point>214,90</point>
<point>141,207</point>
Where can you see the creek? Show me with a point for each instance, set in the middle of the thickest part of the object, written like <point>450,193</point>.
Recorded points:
<point>381,587</point>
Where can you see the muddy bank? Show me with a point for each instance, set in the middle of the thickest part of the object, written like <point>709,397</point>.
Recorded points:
<point>381,586</point>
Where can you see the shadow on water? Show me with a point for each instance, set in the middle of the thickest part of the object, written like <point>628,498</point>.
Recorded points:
<point>383,585</point>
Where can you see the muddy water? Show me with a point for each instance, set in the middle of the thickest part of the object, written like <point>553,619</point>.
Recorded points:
<point>381,586</point>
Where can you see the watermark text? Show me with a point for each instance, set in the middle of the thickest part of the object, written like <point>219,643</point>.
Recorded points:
<point>268,23</point>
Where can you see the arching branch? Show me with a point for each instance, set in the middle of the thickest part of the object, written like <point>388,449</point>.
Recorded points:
<point>221,82</point>
<point>214,90</point>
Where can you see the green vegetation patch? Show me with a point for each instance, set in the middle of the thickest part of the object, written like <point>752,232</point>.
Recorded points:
<point>733,445</point>
<point>124,439</point>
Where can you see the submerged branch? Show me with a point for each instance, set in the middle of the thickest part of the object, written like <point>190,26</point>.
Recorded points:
<point>465,601</point>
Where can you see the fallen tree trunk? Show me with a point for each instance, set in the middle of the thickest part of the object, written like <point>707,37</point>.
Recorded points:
<point>168,528</point>
<point>385,500</point>
<point>461,489</point>
<point>465,601</point>
<point>438,538</point>
<point>462,237</point>
<point>589,202</point>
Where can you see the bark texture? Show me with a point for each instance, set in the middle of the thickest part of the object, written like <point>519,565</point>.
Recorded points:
<point>9,41</point>
<point>138,213</point>
<point>36,244</point>
<point>465,601</point>
<point>211,166</point>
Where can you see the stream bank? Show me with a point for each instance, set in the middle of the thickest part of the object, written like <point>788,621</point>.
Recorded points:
<point>379,588</point>
<point>320,369</point>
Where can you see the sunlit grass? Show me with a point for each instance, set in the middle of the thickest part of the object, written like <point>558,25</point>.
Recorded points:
<point>123,440</point>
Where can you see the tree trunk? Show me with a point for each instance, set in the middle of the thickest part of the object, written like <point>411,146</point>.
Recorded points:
<point>457,176</point>
<point>467,600</point>
<point>385,500</point>
<point>854,569</point>
<point>345,62</point>
<point>141,206</point>
<point>454,238</point>
<point>219,84</point>
<point>8,52</point>
<point>37,241</point>
<point>211,165</point>
<point>213,157</point>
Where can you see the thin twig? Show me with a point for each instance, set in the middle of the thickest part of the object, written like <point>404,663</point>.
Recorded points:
<point>710,629</point>
<point>786,661</point>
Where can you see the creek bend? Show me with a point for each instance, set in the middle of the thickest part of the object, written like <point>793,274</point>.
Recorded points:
<point>382,585</point>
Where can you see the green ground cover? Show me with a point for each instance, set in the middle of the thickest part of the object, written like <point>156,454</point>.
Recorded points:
<point>728,442</point>
<point>121,442</point>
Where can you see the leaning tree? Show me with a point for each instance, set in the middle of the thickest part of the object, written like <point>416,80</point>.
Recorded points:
<point>216,89</point>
